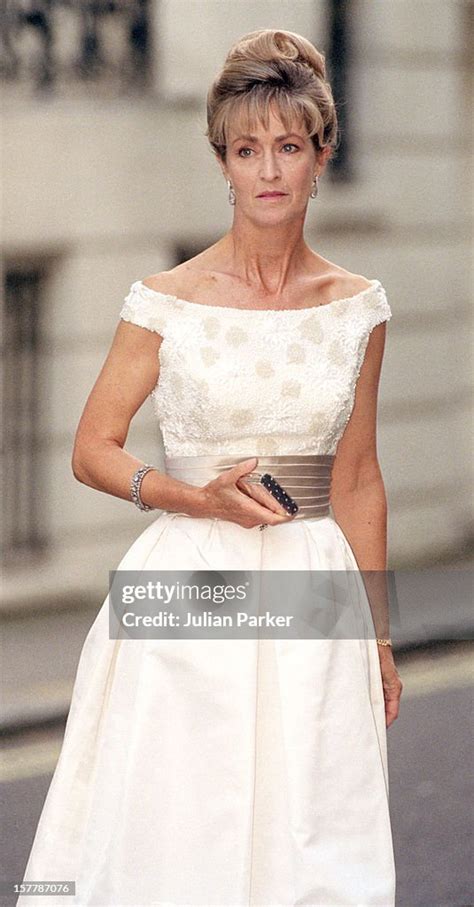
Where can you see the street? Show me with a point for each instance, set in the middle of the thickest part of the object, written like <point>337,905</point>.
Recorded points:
<point>430,757</point>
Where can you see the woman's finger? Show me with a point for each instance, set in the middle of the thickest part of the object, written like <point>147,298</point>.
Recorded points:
<point>260,494</point>
<point>392,711</point>
<point>264,513</point>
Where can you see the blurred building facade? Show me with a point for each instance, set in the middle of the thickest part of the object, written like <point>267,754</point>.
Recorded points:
<point>108,178</point>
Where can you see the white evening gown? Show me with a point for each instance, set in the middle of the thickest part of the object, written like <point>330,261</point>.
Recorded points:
<point>217,771</point>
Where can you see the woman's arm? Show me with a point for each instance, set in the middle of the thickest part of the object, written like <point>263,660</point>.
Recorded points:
<point>360,508</point>
<point>128,376</point>
<point>358,495</point>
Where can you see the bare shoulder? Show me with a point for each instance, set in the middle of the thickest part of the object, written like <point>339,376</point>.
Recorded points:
<point>351,284</point>
<point>167,282</point>
<point>332,281</point>
<point>340,283</point>
<point>184,279</point>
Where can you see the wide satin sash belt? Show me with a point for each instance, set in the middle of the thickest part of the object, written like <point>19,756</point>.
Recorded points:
<point>306,477</point>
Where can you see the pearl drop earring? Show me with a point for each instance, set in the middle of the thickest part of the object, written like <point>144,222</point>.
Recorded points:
<point>231,193</point>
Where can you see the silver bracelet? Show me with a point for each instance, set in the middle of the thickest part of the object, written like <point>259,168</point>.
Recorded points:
<point>135,486</point>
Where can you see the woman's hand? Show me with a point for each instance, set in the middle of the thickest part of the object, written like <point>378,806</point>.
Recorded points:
<point>392,684</point>
<point>230,497</point>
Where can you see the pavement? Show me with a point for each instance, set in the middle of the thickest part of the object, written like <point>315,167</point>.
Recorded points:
<point>430,751</point>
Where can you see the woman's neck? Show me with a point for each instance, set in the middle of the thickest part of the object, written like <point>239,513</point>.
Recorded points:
<point>266,258</point>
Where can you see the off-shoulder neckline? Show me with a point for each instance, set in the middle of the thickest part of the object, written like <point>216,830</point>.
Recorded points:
<point>375,284</point>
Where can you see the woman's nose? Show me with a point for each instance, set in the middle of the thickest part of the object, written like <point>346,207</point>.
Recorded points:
<point>269,167</point>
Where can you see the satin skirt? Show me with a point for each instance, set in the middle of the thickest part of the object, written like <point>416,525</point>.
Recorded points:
<point>222,771</point>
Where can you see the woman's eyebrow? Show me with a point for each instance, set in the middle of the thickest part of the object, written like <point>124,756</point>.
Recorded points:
<point>245,138</point>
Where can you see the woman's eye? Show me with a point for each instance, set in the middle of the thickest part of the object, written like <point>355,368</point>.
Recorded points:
<point>246,152</point>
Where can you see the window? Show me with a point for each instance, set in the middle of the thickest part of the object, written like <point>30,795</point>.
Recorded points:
<point>22,526</point>
<point>338,60</point>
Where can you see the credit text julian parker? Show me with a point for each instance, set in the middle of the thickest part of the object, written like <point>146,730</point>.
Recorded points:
<point>206,619</point>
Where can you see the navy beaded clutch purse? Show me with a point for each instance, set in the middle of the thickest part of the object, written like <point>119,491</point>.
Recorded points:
<point>279,493</point>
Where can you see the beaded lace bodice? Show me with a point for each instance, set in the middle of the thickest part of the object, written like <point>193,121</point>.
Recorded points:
<point>256,382</point>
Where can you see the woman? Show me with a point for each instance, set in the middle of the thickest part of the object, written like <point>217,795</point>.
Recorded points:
<point>240,771</point>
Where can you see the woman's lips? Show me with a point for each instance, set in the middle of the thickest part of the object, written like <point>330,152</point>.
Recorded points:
<point>271,195</point>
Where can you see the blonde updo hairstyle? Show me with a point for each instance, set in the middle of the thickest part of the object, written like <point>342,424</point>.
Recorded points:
<point>266,66</point>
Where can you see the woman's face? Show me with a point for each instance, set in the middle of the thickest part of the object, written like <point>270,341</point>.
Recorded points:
<point>271,171</point>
